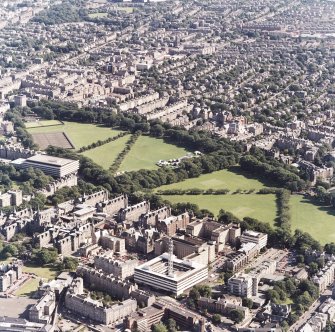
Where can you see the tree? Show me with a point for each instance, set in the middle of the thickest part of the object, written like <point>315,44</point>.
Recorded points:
<point>194,294</point>
<point>157,130</point>
<point>313,268</point>
<point>236,316</point>
<point>44,256</point>
<point>160,327</point>
<point>247,302</point>
<point>171,325</point>
<point>69,263</point>
<point>272,295</point>
<point>216,319</point>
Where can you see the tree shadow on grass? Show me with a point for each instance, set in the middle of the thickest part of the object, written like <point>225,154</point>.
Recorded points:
<point>324,208</point>
<point>265,180</point>
<point>51,267</point>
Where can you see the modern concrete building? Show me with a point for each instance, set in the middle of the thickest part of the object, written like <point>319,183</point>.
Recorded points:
<point>156,273</point>
<point>50,165</point>
<point>256,237</point>
<point>243,285</point>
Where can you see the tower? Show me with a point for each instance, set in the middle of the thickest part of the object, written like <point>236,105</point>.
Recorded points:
<point>170,263</point>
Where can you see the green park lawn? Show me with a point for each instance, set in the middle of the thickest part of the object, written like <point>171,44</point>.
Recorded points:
<point>105,155</point>
<point>224,179</point>
<point>97,15</point>
<point>147,151</point>
<point>42,272</point>
<point>261,207</point>
<point>318,221</point>
<point>81,134</point>
<point>28,288</point>
<point>42,123</point>
<point>127,10</point>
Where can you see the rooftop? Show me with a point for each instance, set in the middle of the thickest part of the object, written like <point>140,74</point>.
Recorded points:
<point>50,160</point>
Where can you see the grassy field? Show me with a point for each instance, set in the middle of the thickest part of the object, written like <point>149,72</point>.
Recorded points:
<point>81,134</point>
<point>224,179</point>
<point>127,10</point>
<point>42,272</point>
<point>261,207</point>
<point>147,151</point>
<point>97,15</point>
<point>28,288</point>
<point>42,123</point>
<point>105,155</point>
<point>319,221</point>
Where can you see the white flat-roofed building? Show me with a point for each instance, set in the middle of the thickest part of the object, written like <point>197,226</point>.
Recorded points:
<point>255,237</point>
<point>241,285</point>
<point>50,165</point>
<point>186,274</point>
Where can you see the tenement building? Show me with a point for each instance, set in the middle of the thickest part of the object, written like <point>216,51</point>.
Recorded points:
<point>106,282</point>
<point>78,302</point>
<point>118,268</point>
<point>9,273</point>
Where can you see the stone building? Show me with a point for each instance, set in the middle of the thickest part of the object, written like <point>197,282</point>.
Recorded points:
<point>152,217</point>
<point>106,282</point>
<point>116,244</point>
<point>165,308</point>
<point>95,198</point>
<point>187,248</point>
<point>11,198</point>
<point>172,224</point>
<point>140,240</point>
<point>42,311</point>
<point>214,231</point>
<point>77,236</point>
<point>119,269</point>
<point>13,152</point>
<point>9,273</point>
<point>113,206</point>
<point>133,212</point>
<point>82,304</point>
<point>325,277</point>
<point>69,180</point>
<point>221,306</point>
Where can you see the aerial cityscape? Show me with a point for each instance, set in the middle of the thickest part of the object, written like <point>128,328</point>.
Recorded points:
<point>167,165</point>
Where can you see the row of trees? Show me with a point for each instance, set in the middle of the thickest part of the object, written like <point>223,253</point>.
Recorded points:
<point>283,219</point>
<point>193,191</point>
<point>283,205</point>
<point>149,179</point>
<point>102,142</point>
<point>118,160</point>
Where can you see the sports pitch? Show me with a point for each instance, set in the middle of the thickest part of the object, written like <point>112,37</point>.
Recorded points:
<point>80,134</point>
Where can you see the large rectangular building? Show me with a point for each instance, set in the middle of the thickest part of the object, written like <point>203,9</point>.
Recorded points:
<point>50,165</point>
<point>155,273</point>
<point>261,239</point>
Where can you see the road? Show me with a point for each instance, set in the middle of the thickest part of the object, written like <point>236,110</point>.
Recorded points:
<point>308,314</point>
